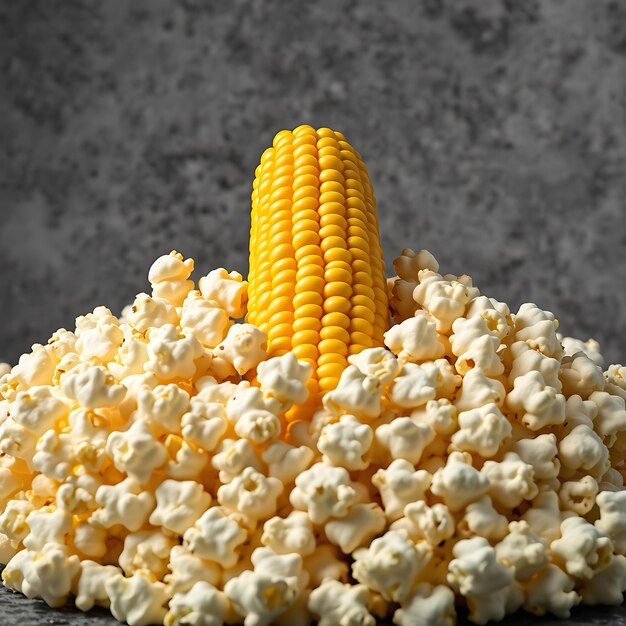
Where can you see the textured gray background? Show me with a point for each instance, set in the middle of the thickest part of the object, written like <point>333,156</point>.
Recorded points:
<point>494,131</point>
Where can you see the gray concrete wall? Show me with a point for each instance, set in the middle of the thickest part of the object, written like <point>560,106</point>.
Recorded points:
<point>494,131</point>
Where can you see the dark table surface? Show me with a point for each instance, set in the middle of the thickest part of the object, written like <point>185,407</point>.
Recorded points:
<point>16,610</point>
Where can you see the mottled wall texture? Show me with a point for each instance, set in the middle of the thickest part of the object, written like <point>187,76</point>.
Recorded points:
<point>494,131</point>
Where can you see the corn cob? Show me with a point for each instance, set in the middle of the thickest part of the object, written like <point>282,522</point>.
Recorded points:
<point>317,275</point>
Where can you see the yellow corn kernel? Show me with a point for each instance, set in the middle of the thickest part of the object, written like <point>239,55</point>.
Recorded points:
<point>317,274</point>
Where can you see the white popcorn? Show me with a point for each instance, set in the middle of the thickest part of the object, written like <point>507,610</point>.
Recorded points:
<point>13,520</point>
<point>345,443</point>
<point>136,451</point>
<point>337,604</point>
<point>5,368</point>
<point>616,380</point>
<point>478,390</point>
<point>187,569</point>
<point>42,490</point>
<point>91,589</point>
<point>578,496</point>
<point>179,505</point>
<point>251,493</point>
<point>493,606</point>
<point>130,358</point>
<point>608,585</point>
<point>134,384</point>
<point>376,362</point>
<point>146,550</point>
<point>357,528</point>
<point>527,359</point>
<point>60,343</point>
<point>415,339</point>
<point>93,387</point>
<point>409,264</point>
<point>147,312</point>
<point>611,417</point>
<point>476,345</point>
<point>228,289</point>
<point>11,480</point>
<point>77,495</point>
<point>293,534</point>
<point>544,515</point>
<point>405,439</point>
<point>215,536</point>
<point>285,461</point>
<point>511,480</point>
<point>612,505</point>
<point>137,600</point>
<point>87,435</point>
<point>283,378</point>
<point>579,411</point>
<point>458,483</point>
<point>38,409</point>
<point>246,398</point>
<point>202,605</point>
<point>323,491</point>
<point>541,453</point>
<point>440,415</point>
<point>233,456</point>
<point>260,597</point>
<point>125,503</point>
<point>538,329</point>
<point>591,348</point>
<point>16,441</point>
<point>288,566</point>
<point>399,485</point>
<point>259,426</point>
<point>99,335</point>
<point>170,354</point>
<point>496,314</point>
<point>481,430</point>
<point>204,319</point>
<point>54,456</point>
<point>391,564</point>
<point>444,299</point>
<point>244,347</point>
<point>163,407</point>
<point>33,369</point>
<point>434,523</point>
<point>536,404</point>
<point>480,518</point>
<point>551,590</point>
<point>184,460</point>
<point>169,275</point>
<point>580,375</point>
<point>522,550</point>
<point>427,606</point>
<point>475,570</point>
<point>46,574</point>
<point>356,393</point>
<point>415,385</point>
<point>582,549</point>
<point>205,424</point>
<point>449,380</point>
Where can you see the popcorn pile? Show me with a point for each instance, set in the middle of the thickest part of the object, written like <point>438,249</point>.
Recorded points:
<point>146,464</point>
